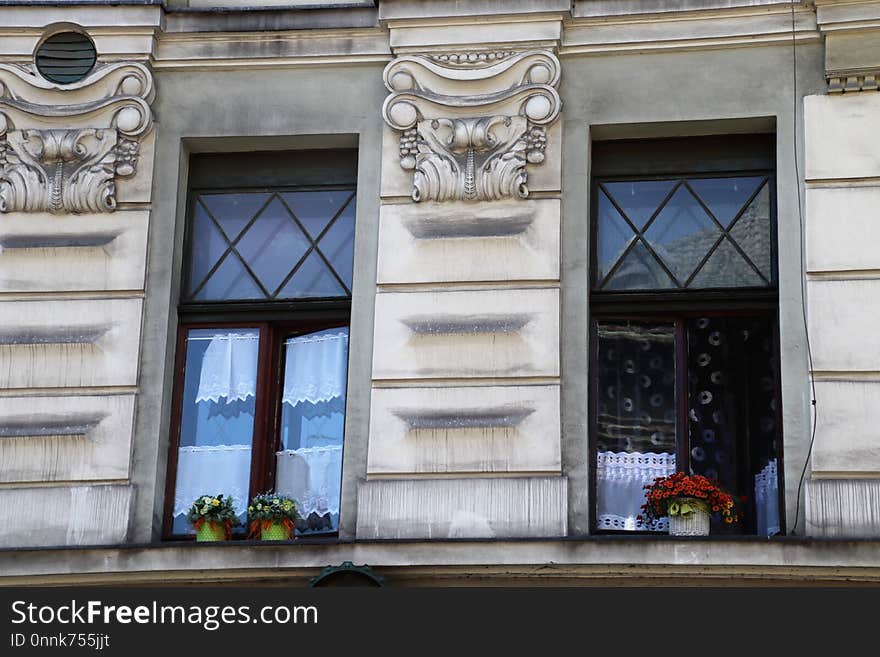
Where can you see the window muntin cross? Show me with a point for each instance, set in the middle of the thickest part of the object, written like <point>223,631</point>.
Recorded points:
<point>274,245</point>
<point>684,233</point>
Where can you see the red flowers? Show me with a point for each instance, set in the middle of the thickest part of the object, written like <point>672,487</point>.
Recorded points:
<point>680,485</point>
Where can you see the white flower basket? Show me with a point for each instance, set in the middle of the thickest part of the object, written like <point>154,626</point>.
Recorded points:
<point>692,524</point>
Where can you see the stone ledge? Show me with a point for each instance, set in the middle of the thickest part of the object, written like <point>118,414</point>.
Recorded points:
<point>636,559</point>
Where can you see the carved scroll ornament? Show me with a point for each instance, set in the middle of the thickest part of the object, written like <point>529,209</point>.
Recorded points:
<point>455,155</point>
<point>59,169</point>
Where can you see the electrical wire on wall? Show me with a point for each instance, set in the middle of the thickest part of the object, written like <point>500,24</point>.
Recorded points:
<point>794,115</point>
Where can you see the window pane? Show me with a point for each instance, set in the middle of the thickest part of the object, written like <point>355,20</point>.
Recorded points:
<point>613,235</point>
<point>315,209</point>
<point>682,234</point>
<point>639,199</point>
<point>312,423</point>
<point>754,233</point>
<point>273,244</point>
<point>639,271</point>
<point>313,279</point>
<point>234,211</point>
<point>727,268</point>
<point>733,414</point>
<point>725,197</point>
<point>209,245</point>
<point>217,421</point>
<point>231,281</point>
<point>636,416</point>
<point>337,245</point>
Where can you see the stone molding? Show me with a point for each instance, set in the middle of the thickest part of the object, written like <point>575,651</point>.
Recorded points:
<point>848,83</point>
<point>470,122</point>
<point>62,147</point>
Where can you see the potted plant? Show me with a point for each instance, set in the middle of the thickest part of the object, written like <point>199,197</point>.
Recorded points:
<point>213,517</point>
<point>273,517</point>
<point>688,501</point>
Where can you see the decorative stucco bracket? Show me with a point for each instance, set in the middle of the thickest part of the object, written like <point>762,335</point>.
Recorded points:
<point>471,122</point>
<point>62,148</point>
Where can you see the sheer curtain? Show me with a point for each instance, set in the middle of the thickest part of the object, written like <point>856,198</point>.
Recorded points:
<point>767,500</point>
<point>309,467</point>
<point>621,478</point>
<point>229,367</point>
<point>218,415</point>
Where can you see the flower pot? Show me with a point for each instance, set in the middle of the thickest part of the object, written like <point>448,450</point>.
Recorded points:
<point>275,532</point>
<point>211,531</point>
<point>693,523</point>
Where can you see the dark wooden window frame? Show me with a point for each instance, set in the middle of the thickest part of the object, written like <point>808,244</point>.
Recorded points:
<point>675,305</point>
<point>276,321</point>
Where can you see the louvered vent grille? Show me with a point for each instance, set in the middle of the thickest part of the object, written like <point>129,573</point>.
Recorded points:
<point>66,57</point>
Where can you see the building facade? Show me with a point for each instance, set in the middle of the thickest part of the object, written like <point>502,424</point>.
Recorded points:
<point>460,277</point>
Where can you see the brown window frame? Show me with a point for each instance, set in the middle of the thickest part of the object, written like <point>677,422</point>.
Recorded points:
<point>276,320</point>
<point>716,156</point>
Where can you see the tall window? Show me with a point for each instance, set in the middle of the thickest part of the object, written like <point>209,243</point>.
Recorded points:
<point>684,337</point>
<point>263,346</point>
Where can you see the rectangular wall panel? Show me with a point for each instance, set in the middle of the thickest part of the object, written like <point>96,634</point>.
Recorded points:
<point>464,429</point>
<point>453,242</point>
<point>72,438</point>
<point>843,508</point>
<point>841,136</point>
<point>843,228</point>
<point>70,343</point>
<point>80,515</point>
<point>48,253</point>
<point>462,508</point>
<point>848,427</point>
<point>843,324</point>
<point>485,333</point>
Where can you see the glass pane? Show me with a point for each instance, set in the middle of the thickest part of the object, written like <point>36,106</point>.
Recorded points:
<point>613,236</point>
<point>312,279</point>
<point>309,465</point>
<point>639,271</point>
<point>733,400</point>
<point>230,281</point>
<point>316,209</point>
<point>208,246</point>
<point>217,421</point>
<point>640,199</point>
<point>682,234</point>
<point>636,416</point>
<point>338,244</point>
<point>725,197</point>
<point>726,268</point>
<point>273,244</point>
<point>753,232</point>
<point>234,211</point>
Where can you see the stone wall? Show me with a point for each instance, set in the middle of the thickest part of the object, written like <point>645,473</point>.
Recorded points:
<point>76,165</point>
<point>843,275</point>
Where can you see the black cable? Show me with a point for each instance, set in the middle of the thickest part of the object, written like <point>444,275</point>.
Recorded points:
<point>803,265</point>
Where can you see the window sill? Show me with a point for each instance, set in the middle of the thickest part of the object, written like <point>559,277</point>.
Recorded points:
<point>596,559</point>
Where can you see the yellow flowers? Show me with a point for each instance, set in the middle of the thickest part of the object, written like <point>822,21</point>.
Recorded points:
<point>216,502</point>
<point>272,507</point>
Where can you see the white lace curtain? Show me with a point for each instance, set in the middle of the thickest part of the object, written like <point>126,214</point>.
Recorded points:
<point>210,470</point>
<point>621,477</point>
<point>313,476</point>
<point>314,371</point>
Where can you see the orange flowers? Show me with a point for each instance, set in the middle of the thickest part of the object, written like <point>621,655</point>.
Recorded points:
<point>679,485</point>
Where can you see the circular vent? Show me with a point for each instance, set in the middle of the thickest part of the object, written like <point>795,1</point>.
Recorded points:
<point>66,57</point>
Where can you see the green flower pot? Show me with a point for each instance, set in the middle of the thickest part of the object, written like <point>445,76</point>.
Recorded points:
<point>275,532</point>
<point>211,531</point>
